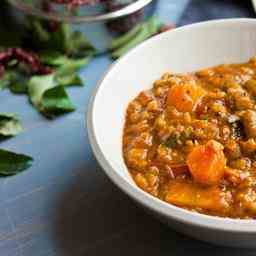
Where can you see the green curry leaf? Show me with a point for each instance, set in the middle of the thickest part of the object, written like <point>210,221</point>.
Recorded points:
<point>18,87</point>
<point>79,46</point>
<point>124,39</point>
<point>5,81</point>
<point>39,38</point>
<point>37,86</point>
<point>16,78</point>
<point>18,81</point>
<point>55,101</point>
<point>63,39</point>
<point>9,125</point>
<point>137,35</point>
<point>54,58</point>
<point>12,163</point>
<point>57,59</point>
<point>48,96</point>
<point>66,75</point>
<point>66,68</point>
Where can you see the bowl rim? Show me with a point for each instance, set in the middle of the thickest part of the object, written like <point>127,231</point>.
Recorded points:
<point>254,4</point>
<point>163,208</point>
<point>129,9</point>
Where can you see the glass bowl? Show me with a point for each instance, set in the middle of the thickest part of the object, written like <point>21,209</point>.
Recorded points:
<point>92,20</point>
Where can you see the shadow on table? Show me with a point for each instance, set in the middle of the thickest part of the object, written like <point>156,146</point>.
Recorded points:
<point>107,222</point>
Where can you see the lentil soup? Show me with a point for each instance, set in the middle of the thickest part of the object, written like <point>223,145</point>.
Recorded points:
<point>191,140</point>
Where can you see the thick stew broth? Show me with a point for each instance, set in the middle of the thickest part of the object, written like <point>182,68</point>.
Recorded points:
<point>191,140</point>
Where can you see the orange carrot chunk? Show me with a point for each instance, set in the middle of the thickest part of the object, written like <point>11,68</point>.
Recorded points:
<point>184,97</point>
<point>191,195</point>
<point>206,163</point>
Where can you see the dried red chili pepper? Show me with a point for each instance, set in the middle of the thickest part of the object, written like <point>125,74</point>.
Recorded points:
<point>5,55</point>
<point>21,55</point>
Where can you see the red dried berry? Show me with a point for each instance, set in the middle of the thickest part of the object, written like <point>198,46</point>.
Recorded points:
<point>5,56</point>
<point>21,55</point>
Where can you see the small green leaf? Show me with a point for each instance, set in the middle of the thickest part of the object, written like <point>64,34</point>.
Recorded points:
<point>172,141</point>
<point>67,75</point>
<point>39,31</point>
<point>76,63</point>
<point>5,80</point>
<point>9,125</point>
<point>39,38</point>
<point>65,67</point>
<point>57,59</point>
<point>55,101</point>
<point>63,40</point>
<point>18,81</point>
<point>61,37</point>
<point>78,46</point>
<point>124,39</point>
<point>154,24</point>
<point>37,85</point>
<point>12,163</point>
<point>68,78</point>
<point>147,29</point>
<point>18,88</point>
<point>54,58</point>
<point>139,38</point>
<point>15,78</point>
<point>49,97</point>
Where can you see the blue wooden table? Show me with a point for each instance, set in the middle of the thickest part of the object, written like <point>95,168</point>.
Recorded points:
<point>64,204</point>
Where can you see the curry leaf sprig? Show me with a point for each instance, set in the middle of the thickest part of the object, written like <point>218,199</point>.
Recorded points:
<point>69,52</point>
<point>64,74</point>
<point>135,36</point>
<point>61,52</point>
<point>57,49</point>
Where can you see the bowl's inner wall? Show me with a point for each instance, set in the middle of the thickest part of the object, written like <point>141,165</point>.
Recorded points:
<point>183,50</point>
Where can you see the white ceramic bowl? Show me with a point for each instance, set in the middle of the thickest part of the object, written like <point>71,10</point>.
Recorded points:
<point>184,49</point>
<point>254,4</point>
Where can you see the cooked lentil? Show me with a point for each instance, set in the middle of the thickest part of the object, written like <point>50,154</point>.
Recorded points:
<point>191,140</point>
